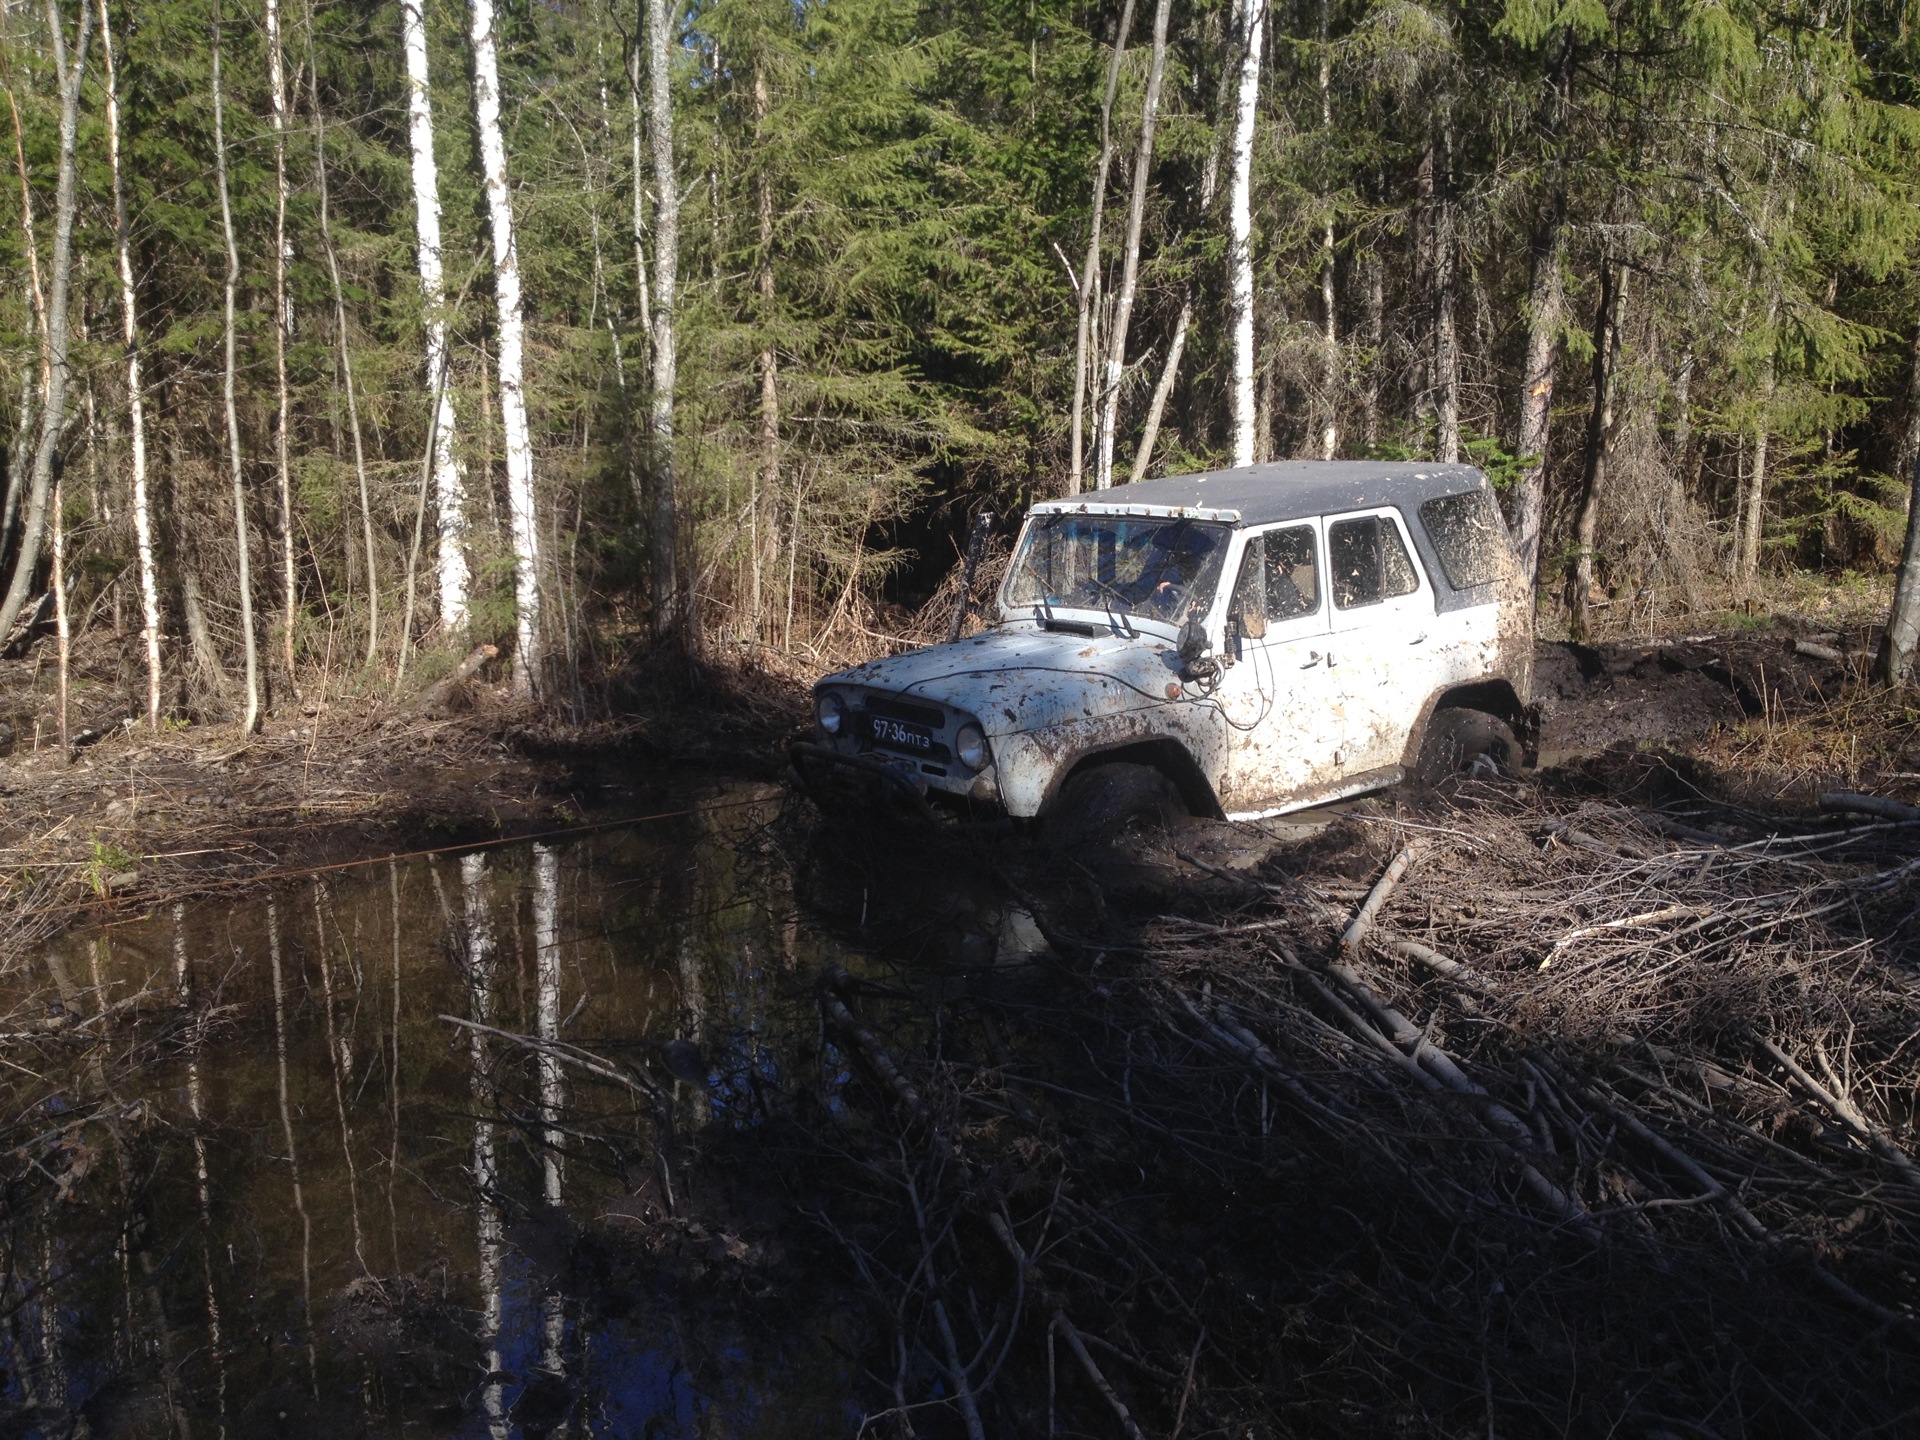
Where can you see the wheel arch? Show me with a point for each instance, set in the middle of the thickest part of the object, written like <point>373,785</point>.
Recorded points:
<point>1492,694</point>
<point>1164,754</point>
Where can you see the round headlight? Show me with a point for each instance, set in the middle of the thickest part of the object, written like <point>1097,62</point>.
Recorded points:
<point>970,746</point>
<point>828,709</point>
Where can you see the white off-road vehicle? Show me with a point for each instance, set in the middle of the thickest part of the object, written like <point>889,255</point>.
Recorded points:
<point>1236,644</point>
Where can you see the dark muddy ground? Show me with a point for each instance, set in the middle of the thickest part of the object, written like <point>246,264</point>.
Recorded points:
<point>789,1125</point>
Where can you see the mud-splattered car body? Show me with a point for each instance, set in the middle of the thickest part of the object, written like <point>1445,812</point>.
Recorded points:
<point>1269,637</point>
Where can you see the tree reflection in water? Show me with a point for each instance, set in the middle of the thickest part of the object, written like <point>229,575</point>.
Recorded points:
<point>194,1258</point>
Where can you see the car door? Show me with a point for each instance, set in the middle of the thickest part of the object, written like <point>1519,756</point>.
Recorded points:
<point>1382,623</point>
<point>1279,697</point>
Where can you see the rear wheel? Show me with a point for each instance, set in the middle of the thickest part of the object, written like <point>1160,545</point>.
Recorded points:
<point>1101,806</point>
<point>1466,743</point>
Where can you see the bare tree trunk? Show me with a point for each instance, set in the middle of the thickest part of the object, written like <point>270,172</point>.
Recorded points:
<point>250,721</point>
<point>667,618</point>
<point>1251,26</point>
<point>1546,299</point>
<point>1903,620</point>
<point>282,328</point>
<point>1606,364</point>
<point>511,362</point>
<point>346,351</point>
<point>1163,391</point>
<point>766,479</point>
<point>1130,260</point>
<point>17,465</point>
<point>1546,295</point>
<point>136,399</point>
<point>1330,335</point>
<point>53,409</point>
<point>63,629</point>
<point>1754,504</point>
<point>449,486</point>
<point>1084,343</point>
<point>1373,337</point>
<point>1446,344</point>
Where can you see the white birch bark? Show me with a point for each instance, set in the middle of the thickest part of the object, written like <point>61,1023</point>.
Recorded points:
<point>282,330</point>
<point>1085,340</point>
<point>1330,336</point>
<point>509,358</point>
<point>53,408</point>
<point>553,1088</point>
<point>251,719</point>
<point>666,279</point>
<point>1130,260</point>
<point>1252,18</point>
<point>136,398</point>
<point>449,485</point>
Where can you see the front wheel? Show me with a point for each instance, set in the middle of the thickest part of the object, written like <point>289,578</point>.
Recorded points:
<point>1467,743</point>
<point>1098,807</point>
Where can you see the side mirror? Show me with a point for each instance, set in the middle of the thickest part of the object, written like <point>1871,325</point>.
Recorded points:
<point>1193,641</point>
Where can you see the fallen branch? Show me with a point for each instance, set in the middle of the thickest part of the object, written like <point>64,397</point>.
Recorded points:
<point>1356,933</point>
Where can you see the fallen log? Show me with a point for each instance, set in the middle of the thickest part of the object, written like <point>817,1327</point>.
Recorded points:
<point>437,694</point>
<point>1885,808</point>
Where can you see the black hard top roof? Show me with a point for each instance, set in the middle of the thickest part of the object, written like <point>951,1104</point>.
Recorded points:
<point>1291,489</point>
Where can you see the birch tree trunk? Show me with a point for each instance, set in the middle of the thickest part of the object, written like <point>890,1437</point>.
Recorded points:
<point>1546,297</point>
<point>510,356</point>
<point>346,352</point>
<point>1330,335</point>
<point>1753,504</point>
<point>1084,341</point>
<point>449,486</point>
<point>1130,261</point>
<point>1252,18</point>
<point>766,480</point>
<point>282,329</point>
<point>62,626</point>
<point>667,618</point>
<point>1903,621</point>
<point>251,718</point>
<point>53,407</point>
<point>1546,301</point>
<point>1606,364</point>
<point>1446,342</point>
<point>136,399</point>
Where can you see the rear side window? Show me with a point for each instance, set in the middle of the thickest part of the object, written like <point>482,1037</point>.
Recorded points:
<point>1369,562</point>
<point>1468,536</point>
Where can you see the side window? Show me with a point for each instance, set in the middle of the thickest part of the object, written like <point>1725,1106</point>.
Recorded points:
<point>1467,535</point>
<point>1279,580</point>
<point>1293,577</point>
<point>1369,562</point>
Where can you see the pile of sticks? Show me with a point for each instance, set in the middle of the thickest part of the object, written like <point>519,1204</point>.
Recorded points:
<point>1522,1114</point>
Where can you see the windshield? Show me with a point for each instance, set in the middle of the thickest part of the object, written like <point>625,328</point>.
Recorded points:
<point>1134,564</point>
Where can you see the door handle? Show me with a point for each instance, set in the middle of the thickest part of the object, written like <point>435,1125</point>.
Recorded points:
<point>1313,659</point>
<point>1419,639</point>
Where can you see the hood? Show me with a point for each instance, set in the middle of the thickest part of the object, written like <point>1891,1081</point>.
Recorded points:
<point>1021,677</point>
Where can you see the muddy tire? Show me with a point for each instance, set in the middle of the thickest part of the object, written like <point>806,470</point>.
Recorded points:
<point>1467,742</point>
<point>1099,807</point>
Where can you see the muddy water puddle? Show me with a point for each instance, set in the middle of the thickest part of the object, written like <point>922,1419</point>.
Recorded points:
<point>342,1165</point>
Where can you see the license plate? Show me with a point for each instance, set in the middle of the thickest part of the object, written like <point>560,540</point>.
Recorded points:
<point>899,735</point>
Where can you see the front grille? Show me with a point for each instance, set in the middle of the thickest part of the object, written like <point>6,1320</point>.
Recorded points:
<point>913,714</point>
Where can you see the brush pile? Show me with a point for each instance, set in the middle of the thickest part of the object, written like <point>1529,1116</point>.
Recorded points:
<point>1528,1113</point>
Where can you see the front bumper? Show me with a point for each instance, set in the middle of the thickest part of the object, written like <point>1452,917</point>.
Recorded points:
<point>832,778</point>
